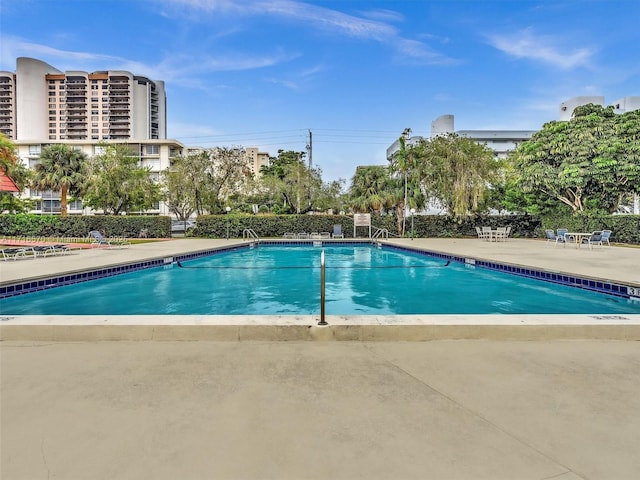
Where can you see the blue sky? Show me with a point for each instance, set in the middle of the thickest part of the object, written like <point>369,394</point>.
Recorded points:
<point>356,73</point>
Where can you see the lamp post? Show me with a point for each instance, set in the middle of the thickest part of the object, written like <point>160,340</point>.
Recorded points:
<point>228,209</point>
<point>406,135</point>
<point>413,211</point>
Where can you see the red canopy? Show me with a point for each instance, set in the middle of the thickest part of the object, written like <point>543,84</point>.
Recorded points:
<point>7,184</point>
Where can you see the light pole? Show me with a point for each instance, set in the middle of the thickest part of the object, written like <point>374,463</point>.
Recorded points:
<point>406,135</point>
<point>413,211</point>
<point>228,209</point>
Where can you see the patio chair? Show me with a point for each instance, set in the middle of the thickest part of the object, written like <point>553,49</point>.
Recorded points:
<point>481,235</point>
<point>289,235</point>
<point>501,234</point>
<point>552,237</point>
<point>594,239</point>
<point>98,240</point>
<point>337,231</point>
<point>487,233</point>
<point>605,237</point>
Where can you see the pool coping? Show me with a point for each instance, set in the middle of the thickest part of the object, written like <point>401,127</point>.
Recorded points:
<point>305,327</point>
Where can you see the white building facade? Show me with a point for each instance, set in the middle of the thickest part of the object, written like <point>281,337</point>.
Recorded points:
<point>41,105</point>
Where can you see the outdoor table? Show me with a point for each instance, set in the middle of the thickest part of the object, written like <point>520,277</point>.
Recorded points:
<point>577,237</point>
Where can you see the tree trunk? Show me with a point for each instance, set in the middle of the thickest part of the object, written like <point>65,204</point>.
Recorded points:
<point>63,202</point>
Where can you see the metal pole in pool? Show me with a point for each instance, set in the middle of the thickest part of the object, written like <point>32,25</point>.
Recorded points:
<point>322,320</point>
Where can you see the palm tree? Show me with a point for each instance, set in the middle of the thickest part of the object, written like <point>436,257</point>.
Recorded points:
<point>369,187</point>
<point>61,169</point>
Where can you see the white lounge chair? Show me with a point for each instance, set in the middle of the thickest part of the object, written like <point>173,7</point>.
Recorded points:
<point>14,253</point>
<point>98,240</point>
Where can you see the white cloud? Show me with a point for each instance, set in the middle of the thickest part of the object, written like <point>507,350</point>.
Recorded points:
<point>383,15</point>
<point>525,44</point>
<point>372,28</point>
<point>180,69</point>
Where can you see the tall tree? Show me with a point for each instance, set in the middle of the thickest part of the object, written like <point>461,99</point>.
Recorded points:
<point>456,171</point>
<point>117,183</point>
<point>591,162</point>
<point>226,177</point>
<point>288,178</point>
<point>61,168</point>
<point>369,190</point>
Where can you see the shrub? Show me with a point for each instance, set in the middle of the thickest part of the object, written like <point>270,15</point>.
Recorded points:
<point>79,226</point>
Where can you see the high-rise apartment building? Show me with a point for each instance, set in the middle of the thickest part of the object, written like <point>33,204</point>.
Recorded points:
<point>41,105</point>
<point>39,101</point>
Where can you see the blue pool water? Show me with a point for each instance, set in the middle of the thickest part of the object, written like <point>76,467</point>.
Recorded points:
<point>270,280</point>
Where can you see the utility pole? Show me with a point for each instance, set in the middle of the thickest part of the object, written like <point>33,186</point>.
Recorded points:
<point>310,149</point>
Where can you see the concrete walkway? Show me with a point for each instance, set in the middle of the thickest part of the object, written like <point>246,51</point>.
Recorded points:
<point>315,410</point>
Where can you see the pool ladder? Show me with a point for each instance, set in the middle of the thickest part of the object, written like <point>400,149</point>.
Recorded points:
<point>248,233</point>
<point>380,233</point>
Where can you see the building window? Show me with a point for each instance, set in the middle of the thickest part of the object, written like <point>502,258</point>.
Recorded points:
<point>52,87</point>
<point>52,124</point>
<point>52,105</point>
<point>99,149</point>
<point>34,149</point>
<point>152,149</point>
<point>95,130</point>
<point>75,205</point>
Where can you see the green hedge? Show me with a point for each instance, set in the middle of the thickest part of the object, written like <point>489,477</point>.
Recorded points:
<point>625,228</point>
<point>79,226</point>
<point>265,226</point>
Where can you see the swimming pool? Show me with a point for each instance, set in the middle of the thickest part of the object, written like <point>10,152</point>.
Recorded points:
<point>285,280</point>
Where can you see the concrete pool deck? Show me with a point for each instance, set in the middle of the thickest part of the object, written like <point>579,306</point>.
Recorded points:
<point>451,410</point>
<point>616,264</point>
<point>259,409</point>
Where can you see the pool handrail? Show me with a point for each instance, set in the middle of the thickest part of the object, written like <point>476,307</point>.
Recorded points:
<point>249,233</point>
